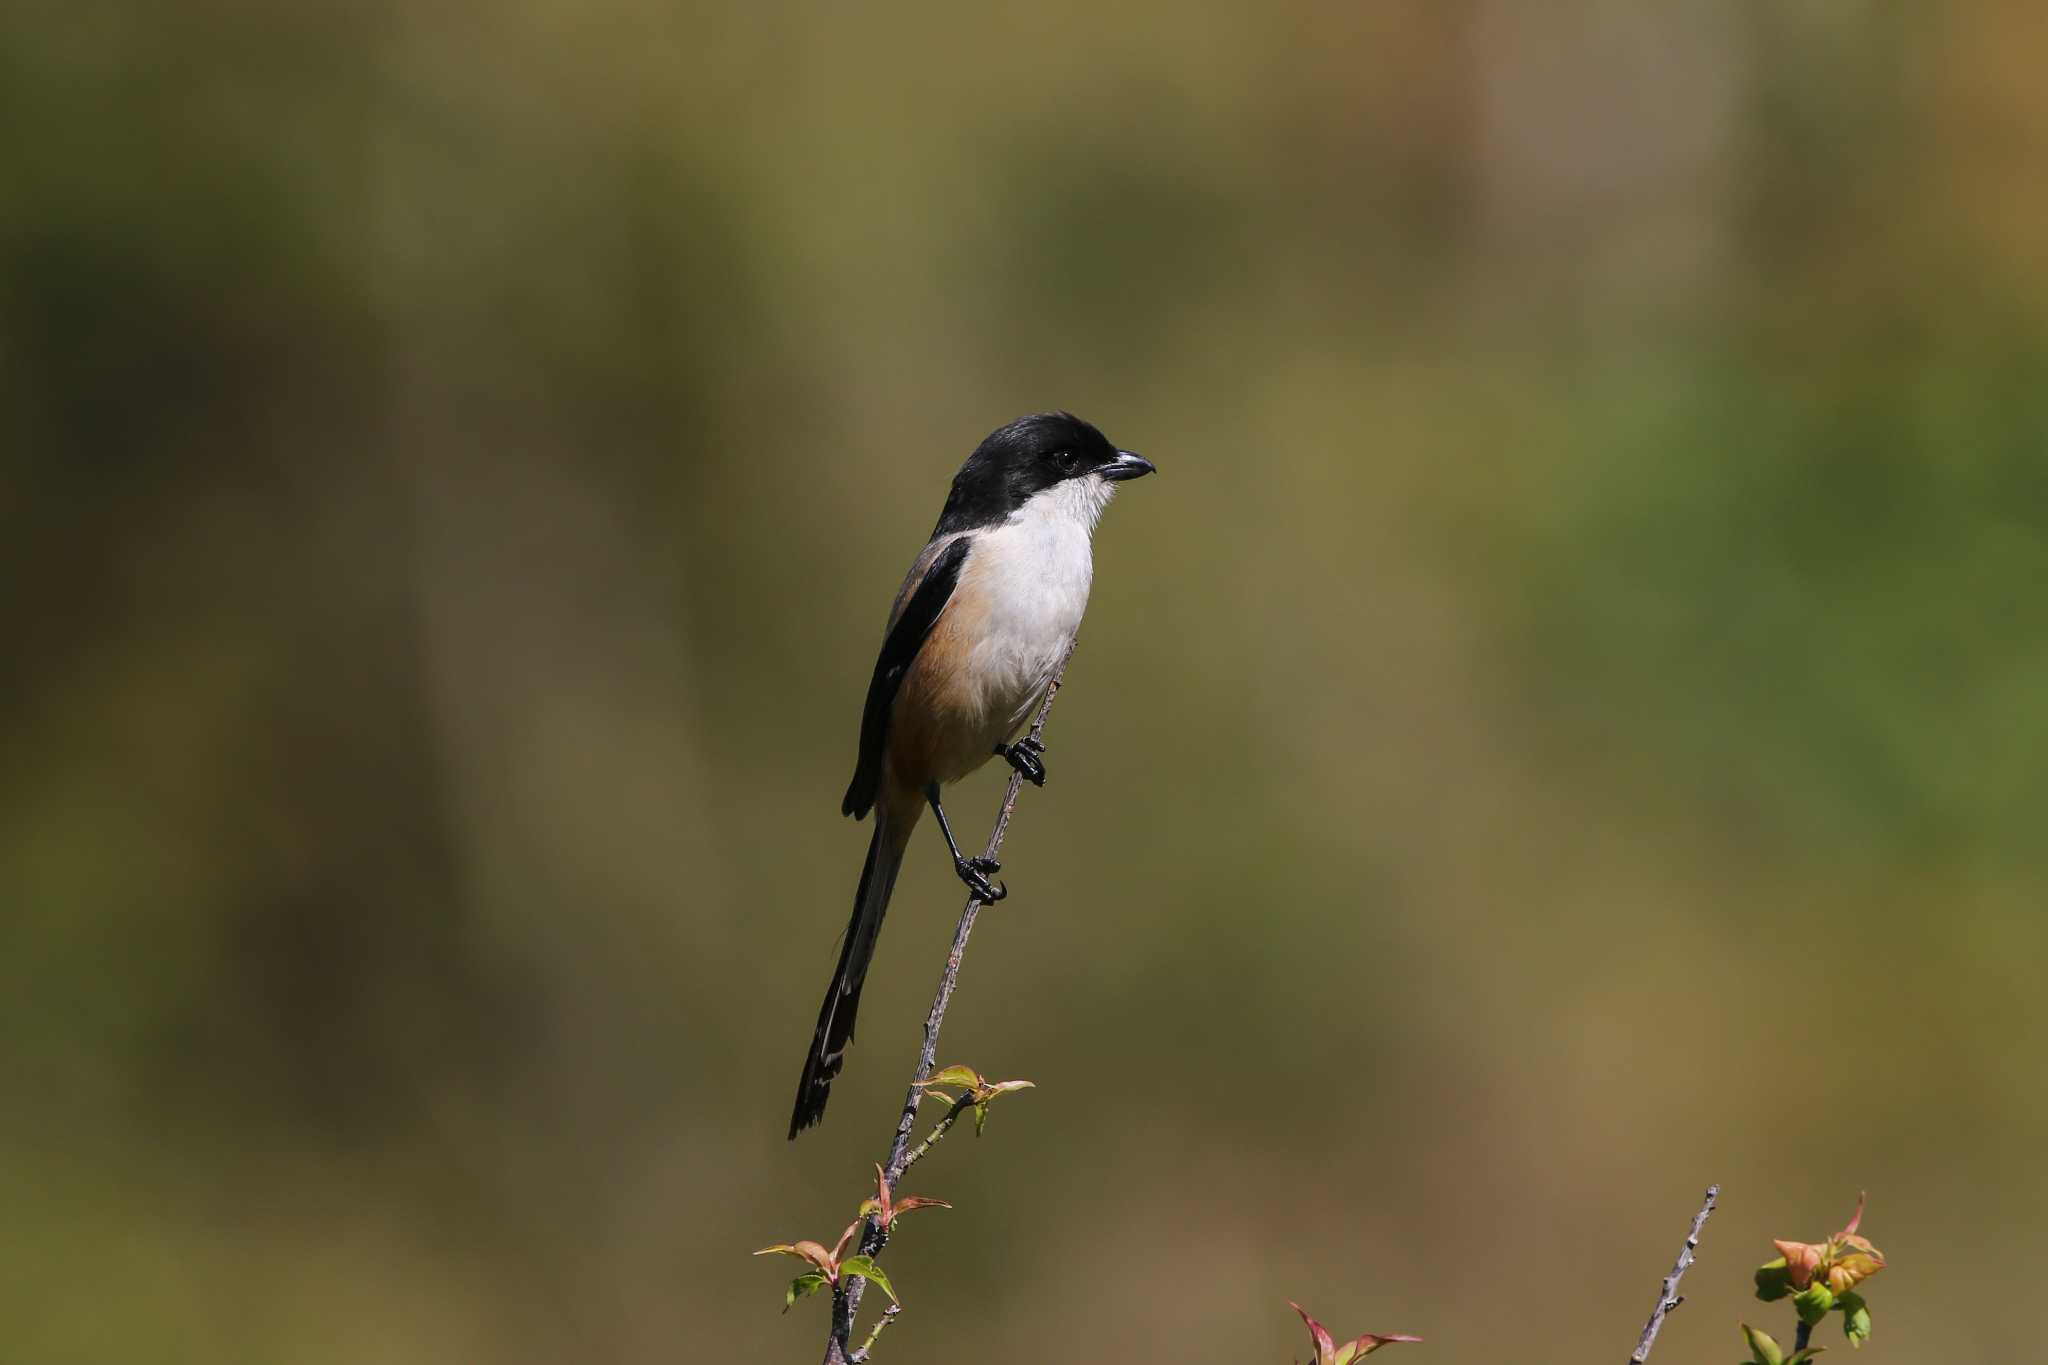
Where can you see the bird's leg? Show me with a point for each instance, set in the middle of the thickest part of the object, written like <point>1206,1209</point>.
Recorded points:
<point>973,871</point>
<point>1026,756</point>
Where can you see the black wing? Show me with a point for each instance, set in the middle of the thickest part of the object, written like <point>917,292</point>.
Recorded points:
<point>906,637</point>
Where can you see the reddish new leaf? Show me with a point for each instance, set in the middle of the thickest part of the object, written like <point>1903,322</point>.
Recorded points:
<point>1802,1259</point>
<point>1839,1264</point>
<point>827,1261</point>
<point>885,1207</point>
<point>847,1236</point>
<point>1328,1352</point>
<point>1326,1349</point>
<point>1856,1219</point>
<point>1852,1265</point>
<point>1367,1344</point>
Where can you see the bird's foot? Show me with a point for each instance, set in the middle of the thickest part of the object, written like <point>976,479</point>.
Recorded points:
<point>1026,757</point>
<point>975,871</point>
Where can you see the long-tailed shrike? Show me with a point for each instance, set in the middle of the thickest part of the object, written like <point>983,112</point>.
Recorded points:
<point>983,618</point>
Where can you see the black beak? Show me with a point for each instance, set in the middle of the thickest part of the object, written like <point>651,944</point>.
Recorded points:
<point>1127,465</point>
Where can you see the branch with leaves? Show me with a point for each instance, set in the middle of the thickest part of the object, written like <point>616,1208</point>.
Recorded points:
<point>848,1276</point>
<point>877,1216</point>
<point>830,1268</point>
<point>1820,1278</point>
<point>1329,1351</point>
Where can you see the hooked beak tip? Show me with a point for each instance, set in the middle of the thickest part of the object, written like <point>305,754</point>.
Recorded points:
<point>1128,464</point>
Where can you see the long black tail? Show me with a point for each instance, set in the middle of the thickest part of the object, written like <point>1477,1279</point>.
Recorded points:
<point>842,1001</point>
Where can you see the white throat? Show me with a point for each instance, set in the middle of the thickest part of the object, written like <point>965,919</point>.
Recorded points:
<point>1079,501</point>
<point>1032,574</point>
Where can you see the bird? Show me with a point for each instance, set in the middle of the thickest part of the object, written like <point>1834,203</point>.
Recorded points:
<point>984,617</point>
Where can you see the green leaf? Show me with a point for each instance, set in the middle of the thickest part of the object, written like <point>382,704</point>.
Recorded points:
<point>1813,1303</point>
<point>980,1117</point>
<point>1803,1354</point>
<point>966,1077</point>
<point>865,1267</point>
<point>802,1287</point>
<point>1855,1319</point>
<point>1763,1347</point>
<point>1773,1280</point>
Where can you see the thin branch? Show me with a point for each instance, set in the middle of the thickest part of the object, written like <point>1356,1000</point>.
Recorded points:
<point>1668,1297</point>
<point>846,1300</point>
<point>939,1130</point>
<point>888,1316</point>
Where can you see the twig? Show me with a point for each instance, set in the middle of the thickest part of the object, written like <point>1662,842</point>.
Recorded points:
<point>939,1130</point>
<point>1667,1296</point>
<point>846,1300</point>
<point>888,1316</point>
<point>1804,1335</point>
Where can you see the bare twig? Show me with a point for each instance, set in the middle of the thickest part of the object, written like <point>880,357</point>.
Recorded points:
<point>846,1300</point>
<point>1667,1295</point>
<point>888,1316</point>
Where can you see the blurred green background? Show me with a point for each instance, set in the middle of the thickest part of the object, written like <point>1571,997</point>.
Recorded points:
<point>1568,722</point>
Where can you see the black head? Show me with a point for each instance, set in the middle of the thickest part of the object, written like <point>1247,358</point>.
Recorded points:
<point>1027,457</point>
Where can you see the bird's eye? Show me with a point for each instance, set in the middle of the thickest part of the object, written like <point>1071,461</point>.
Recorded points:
<point>1067,460</point>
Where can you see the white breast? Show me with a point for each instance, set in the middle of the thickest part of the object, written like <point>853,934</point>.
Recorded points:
<point>1033,574</point>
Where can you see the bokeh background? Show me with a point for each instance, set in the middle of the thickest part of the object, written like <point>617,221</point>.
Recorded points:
<point>1568,722</point>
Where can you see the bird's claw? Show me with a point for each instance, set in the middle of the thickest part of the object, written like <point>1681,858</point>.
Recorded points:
<point>974,872</point>
<point>1025,757</point>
